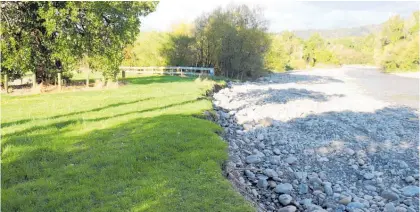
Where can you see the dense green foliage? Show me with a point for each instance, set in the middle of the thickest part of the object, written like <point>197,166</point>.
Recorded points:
<point>232,40</point>
<point>397,45</point>
<point>136,148</point>
<point>50,37</point>
<point>213,41</point>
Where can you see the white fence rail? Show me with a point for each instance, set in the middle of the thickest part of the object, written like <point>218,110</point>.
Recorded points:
<point>171,70</point>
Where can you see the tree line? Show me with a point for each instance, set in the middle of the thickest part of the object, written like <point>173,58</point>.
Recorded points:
<point>235,41</point>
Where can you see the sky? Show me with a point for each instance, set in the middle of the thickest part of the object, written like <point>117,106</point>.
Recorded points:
<point>284,15</point>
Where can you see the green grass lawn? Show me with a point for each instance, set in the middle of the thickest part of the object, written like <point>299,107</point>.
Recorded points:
<point>136,148</point>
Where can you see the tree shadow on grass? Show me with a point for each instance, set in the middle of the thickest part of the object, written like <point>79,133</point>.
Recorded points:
<point>23,121</point>
<point>384,139</point>
<point>163,163</point>
<point>63,124</point>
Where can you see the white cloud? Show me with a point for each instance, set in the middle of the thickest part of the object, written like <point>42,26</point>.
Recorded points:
<point>284,15</point>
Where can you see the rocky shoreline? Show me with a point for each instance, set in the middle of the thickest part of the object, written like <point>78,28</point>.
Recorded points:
<point>313,142</point>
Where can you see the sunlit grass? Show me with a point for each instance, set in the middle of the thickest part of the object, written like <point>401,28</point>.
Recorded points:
<point>135,148</point>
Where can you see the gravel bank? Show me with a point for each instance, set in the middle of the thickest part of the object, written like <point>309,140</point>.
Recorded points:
<point>312,141</point>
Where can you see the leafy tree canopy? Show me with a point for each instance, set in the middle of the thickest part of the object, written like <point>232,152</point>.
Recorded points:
<point>50,37</point>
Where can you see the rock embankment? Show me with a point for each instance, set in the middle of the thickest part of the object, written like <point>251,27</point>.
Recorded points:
<point>312,141</point>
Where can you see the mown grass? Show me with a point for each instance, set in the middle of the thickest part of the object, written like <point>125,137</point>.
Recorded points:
<point>135,148</point>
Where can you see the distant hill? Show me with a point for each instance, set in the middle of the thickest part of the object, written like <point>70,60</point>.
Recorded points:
<point>341,32</point>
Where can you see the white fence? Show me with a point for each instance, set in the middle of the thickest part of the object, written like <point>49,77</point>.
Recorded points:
<point>171,70</point>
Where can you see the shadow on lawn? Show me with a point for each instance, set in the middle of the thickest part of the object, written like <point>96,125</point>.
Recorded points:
<point>139,80</point>
<point>63,124</point>
<point>23,121</point>
<point>164,163</point>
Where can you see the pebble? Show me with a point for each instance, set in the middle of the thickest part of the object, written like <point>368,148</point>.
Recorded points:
<point>389,207</point>
<point>370,187</point>
<point>400,209</point>
<point>284,188</point>
<point>368,176</point>
<point>276,151</point>
<point>253,159</point>
<point>353,205</point>
<point>349,151</point>
<point>285,199</point>
<point>409,179</point>
<point>254,192</point>
<point>345,200</point>
<point>303,189</point>
<point>270,173</point>
<point>262,183</point>
<point>301,175</point>
<point>390,195</point>
<point>410,191</point>
<point>250,174</point>
<point>328,190</point>
<point>289,208</point>
<point>291,160</point>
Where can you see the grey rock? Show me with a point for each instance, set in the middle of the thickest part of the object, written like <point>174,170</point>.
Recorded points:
<point>291,160</point>
<point>285,199</point>
<point>354,205</point>
<point>289,208</point>
<point>322,175</point>
<point>272,184</point>
<point>400,209</point>
<point>250,174</point>
<point>276,151</point>
<point>254,192</point>
<point>409,179</point>
<point>345,200</point>
<point>253,159</point>
<point>284,188</point>
<point>369,176</point>
<point>389,207</point>
<point>262,183</point>
<point>367,197</point>
<point>275,160</point>
<point>349,151</point>
<point>390,195</point>
<point>301,175</point>
<point>370,187</point>
<point>403,164</point>
<point>303,189</point>
<point>328,190</point>
<point>410,191</point>
<point>306,202</point>
<point>270,173</point>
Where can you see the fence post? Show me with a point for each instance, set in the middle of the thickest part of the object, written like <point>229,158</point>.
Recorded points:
<point>34,80</point>
<point>59,80</point>
<point>87,79</point>
<point>6,83</point>
<point>123,74</point>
